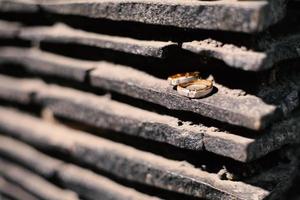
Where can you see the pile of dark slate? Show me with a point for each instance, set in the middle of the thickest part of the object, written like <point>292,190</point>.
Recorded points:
<point>86,111</point>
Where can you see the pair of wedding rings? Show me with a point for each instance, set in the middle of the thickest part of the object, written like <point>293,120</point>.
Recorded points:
<point>191,85</point>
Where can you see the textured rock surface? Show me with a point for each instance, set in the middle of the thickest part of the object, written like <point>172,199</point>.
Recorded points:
<point>33,183</point>
<point>253,16</point>
<point>123,44</point>
<point>13,192</point>
<point>101,112</point>
<point>245,59</point>
<point>25,6</point>
<point>223,104</point>
<point>22,93</point>
<point>132,164</point>
<point>47,64</point>
<point>84,182</point>
<point>245,16</point>
<point>9,29</point>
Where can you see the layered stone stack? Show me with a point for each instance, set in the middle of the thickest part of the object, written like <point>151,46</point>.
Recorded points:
<point>87,113</point>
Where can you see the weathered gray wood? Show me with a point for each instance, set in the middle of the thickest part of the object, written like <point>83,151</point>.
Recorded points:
<point>132,164</point>
<point>86,183</point>
<point>34,183</point>
<point>64,34</point>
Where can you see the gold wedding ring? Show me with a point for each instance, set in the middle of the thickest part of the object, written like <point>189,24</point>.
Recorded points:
<point>183,78</point>
<point>195,89</point>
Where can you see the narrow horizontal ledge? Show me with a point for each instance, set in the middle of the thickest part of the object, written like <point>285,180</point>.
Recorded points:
<point>224,104</point>
<point>120,117</point>
<point>248,17</point>
<point>63,34</point>
<point>33,183</point>
<point>13,192</point>
<point>9,30</point>
<point>274,49</point>
<point>86,183</point>
<point>46,63</point>
<point>135,165</point>
<point>249,60</point>
<point>27,6</point>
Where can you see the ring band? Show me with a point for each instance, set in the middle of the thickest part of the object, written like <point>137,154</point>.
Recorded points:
<point>195,89</point>
<point>183,78</point>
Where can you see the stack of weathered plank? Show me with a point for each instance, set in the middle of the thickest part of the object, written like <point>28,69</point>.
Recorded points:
<point>86,111</point>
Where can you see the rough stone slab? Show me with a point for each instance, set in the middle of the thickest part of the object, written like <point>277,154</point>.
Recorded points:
<point>252,16</point>
<point>13,191</point>
<point>88,184</point>
<point>132,164</point>
<point>34,183</point>
<point>20,91</point>
<point>104,113</point>
<point>242,58</point>
<point>24,6</point>
<point>9,29</point>
<point>64,34</point>
<point>224,105</point>
<point>274,49</point>
<point>94,187</point>
<point>46,63</point>
<point>101,112</point>
<point>38,162</point>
